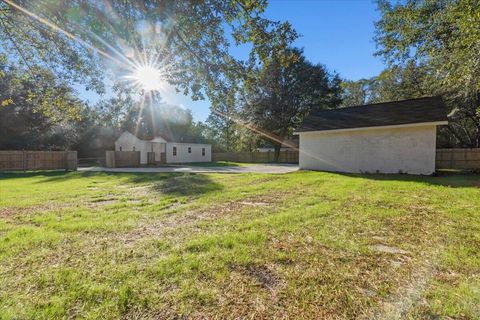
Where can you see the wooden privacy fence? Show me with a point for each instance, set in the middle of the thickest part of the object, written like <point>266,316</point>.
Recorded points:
<point>37,160</point>
<point>445,158</point>
<point>117,159</point>
<point>91,162</point>
<point>458,158</point>
<point>258,157</point>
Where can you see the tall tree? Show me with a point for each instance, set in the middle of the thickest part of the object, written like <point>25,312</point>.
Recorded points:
<point>224,115</point>
<point>223,130</point>
<point>356,93</point>
<point>280,96</point>
<point>150,118</point>
<point>443,35</point>
<point>35,112</point>
<point>395,83</point>
<point>188,41</point>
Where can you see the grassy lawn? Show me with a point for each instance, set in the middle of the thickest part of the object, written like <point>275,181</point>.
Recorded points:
<point>300,245</point>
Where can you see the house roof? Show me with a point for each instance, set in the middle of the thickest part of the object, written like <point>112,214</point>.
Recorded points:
<point>163,139</point>
<point>157,139</point>
<point>429,109</point>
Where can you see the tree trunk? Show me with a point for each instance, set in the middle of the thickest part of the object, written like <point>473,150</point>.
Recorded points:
<point>276,155</point>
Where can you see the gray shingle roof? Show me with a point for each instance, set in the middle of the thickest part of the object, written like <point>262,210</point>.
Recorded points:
<point>429,109</point>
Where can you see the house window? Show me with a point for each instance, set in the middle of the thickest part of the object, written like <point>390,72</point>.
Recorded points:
<point>174,151</point>
<point>189,149</point>
<point>203,152</point>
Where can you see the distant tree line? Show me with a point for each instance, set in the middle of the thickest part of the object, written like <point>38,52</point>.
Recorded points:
<point>43,113</point>
<point>431,48</point>
<point>272,101</point>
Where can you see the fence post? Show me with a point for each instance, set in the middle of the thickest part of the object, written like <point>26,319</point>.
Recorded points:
<point>66,159</point>
<point>110,159</point>
<point>452,153</point>
<point>72,161</point>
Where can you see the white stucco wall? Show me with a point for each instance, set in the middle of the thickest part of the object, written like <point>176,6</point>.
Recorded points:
<point>385,150</point>
<point>127,141</point>
<point>182,152</point>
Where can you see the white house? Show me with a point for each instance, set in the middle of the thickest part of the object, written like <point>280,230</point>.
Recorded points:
<point>392,137</point>
<point>165,151</point>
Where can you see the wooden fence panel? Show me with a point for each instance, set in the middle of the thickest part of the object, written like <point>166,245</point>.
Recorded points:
<point>467,159</point>
<point>118,159</point>
<point>445,158</point>
<point>37,160</point>
<point>110,159</point>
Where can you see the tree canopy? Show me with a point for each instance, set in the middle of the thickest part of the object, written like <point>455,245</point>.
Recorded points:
<point>34,111</point>
<point>84,41</point>
<point>443,33</point>
<point>281,96</point>
<point>443,37</point>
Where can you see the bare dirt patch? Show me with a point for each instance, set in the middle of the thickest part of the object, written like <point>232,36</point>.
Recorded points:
<point>16,212</point>
<point>103,201</point>
<point>408,295</point>
<point>264,275</point>
<point>148,229</point>
<point>387,249</point>
<point>255,204</point>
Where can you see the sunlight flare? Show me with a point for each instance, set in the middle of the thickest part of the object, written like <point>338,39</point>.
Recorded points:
<point>147,77</point>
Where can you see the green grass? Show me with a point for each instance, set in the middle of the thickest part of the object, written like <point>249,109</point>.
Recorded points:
<point>300,245</point>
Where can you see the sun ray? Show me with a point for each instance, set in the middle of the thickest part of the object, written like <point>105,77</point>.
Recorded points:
<point>58,29</point>
<point>269,136</point>
<point>139,116</point>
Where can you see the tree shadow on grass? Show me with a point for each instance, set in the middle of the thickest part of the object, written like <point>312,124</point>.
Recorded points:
<point>59,176</point>
<point>47,174</point>
<point>446,179</point>
<point>212,164</point>
<point>181,184</point>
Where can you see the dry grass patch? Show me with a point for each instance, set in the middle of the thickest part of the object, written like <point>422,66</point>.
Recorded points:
<point>177,222</point>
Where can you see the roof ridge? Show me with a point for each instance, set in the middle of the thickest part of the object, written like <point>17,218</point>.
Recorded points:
<point>158,136</point>
<point>377,103</point>
<point>425,109</point>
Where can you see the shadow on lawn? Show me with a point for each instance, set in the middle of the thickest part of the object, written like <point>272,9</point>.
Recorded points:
<point>53,174</point>
<point>446,179</point>
<point>181,184</point>
<point>212,164</point>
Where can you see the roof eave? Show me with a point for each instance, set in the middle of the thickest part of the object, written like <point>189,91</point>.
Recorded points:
<point>406,125</point>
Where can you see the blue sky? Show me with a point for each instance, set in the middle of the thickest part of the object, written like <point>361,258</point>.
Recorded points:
<point>336,33</point>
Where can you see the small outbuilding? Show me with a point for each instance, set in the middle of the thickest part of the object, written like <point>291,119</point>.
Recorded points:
<point>163,151</point>
<point>391,137</point>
